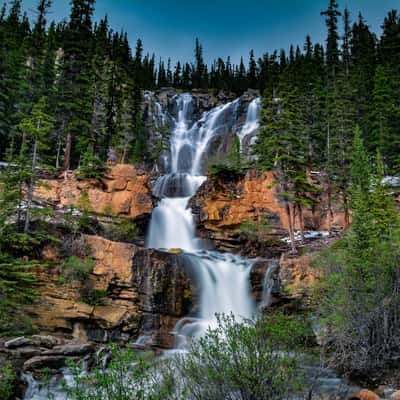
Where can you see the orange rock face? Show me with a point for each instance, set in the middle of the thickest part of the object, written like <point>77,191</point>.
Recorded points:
<point>365,395</point>
<point>296,274</point>
<point>60,308</point>
<point>225,205</point>
<point>124,191</point>
<point>139,286</point>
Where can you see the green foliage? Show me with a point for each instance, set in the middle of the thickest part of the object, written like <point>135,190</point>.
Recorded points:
<point>250,360</point>
<point>234,165</point>
<point>123,230</point>
<point>7,381</point>
<point>128,376</point>
<point>255,229</point>
<point>93,297</point>
<point>358,293</point>
<point>16,291</point>
<point>91,167</point>
<point>76,269</point>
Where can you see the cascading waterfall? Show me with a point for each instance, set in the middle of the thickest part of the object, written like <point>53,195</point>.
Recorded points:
<point>223,279</point>
<point>252,123</point>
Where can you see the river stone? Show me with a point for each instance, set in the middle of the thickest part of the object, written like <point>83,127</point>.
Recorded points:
<point>40,362</point>
<point>175,251</point>
<point>45,341</point>
<point>71,350</point>
<point>364,394</point>
<point>395,395</point>
<point>18,342</point>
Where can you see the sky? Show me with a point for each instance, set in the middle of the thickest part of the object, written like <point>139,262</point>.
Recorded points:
<point>225,27</point>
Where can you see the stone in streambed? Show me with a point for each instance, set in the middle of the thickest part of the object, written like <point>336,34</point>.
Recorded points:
<point>365,395</point>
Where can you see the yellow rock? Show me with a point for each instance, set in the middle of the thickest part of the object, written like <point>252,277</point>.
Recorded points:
<point>175,251</point>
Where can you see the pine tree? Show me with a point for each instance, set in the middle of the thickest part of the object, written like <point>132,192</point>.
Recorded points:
<point>332,52</point>
<point>76,101</point>
<point>36,129</point>
<point>252,72</point>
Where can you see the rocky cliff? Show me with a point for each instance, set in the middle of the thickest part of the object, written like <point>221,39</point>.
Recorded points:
<point>124,190</point>
<point>144,291</point>
<point>223,204</point>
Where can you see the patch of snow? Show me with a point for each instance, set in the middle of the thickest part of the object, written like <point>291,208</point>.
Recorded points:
<point>311,235</point>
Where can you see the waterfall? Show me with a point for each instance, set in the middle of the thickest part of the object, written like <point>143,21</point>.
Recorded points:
<point>268,285</point>
<point>223,279</point>
<point>252,121</point>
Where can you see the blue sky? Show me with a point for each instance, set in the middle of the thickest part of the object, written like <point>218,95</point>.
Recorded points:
<point>224,27</point>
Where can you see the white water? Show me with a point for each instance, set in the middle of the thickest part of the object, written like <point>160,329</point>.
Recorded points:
<point>252,123</point>
<point>223,279</point>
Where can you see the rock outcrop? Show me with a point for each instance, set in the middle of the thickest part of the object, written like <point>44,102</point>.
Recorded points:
<point>223,203</point>
<point>124,190</point>
<point>144,290</point>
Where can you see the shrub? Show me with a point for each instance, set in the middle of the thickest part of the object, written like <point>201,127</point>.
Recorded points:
<point>251,360</point>
<point>123,230</point>
<point>255,229</point>
<point>93,297</point>
<point>16,291</point>
<point>7,380</point>
<point>128,376</point>
<point>91,167</point>
<point>76,269</point>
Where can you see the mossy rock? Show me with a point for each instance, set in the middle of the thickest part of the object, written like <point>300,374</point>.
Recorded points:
<point>175,251</point>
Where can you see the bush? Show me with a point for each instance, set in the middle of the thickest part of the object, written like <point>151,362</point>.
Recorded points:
<point>255,230</point>
<point>123,230</point>
<point>16,291</point>
<point>7,380</point>
<point>76,269</point>
<point>91,167</point>
<point>251,360</point>
<point>128,376</point>
<point>93,297</point>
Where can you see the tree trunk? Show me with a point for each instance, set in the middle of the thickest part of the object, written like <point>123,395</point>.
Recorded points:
<point>30,189</point>
<point>123,156</point>
<point>290,228</point>
<point>67,155</point>
<point>301,221</point>
<point>346,213</point>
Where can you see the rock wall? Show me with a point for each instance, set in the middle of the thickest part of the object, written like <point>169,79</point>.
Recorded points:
<point>144,290</point>
<point>222,204</point>
<point>124,190</point>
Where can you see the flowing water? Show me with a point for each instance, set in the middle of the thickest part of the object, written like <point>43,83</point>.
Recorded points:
<point>252,123</point>
<point>223,279</point>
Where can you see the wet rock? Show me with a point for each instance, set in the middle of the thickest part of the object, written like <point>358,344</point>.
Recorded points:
<point>71,350</point>
<point>395,395</point>
<point>364,394</point>
<point>45,341</point>
<point>17,342</point>
<point>175,251</point>
<point>41,362</point>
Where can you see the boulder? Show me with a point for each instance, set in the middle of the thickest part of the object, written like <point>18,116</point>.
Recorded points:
<point>45,341</point>
<point>365,394</point>
<point>71,350</point>
<point>18,342</point>
<point>41,362</point>
<point>395,395</point>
